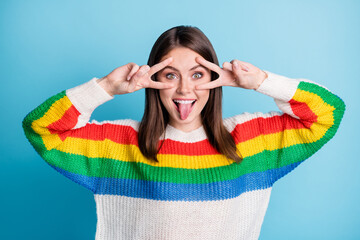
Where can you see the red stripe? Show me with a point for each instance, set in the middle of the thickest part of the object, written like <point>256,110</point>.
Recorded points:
<point>127,135</point>
<point>302,110</point>
<point>116,133</point>
<point>199,148</point>
<point>262,126</point>
<point>66,122</point>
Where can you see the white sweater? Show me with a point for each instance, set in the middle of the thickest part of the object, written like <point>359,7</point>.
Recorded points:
<point>193,192</point>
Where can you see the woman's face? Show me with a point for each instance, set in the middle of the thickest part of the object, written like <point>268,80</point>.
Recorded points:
<point>183,103</point>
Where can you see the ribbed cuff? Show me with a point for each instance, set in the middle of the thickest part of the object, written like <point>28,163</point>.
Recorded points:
<point>278,87</point>
<point>88,96</point>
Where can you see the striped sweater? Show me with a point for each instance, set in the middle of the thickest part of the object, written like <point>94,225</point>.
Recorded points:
<point>193,192</point>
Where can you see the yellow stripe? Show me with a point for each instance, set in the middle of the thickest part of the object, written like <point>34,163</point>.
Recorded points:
<point>131,153</point>
<point>317,105</point>
<point>291,137</point>
<point>281,139</point>
<point>55,112</point>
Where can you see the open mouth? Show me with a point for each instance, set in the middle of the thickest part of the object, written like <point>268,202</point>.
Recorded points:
<point>184,107</point>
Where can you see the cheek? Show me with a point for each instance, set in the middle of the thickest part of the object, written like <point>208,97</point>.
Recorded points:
<point>203,95</point>
<point>165,95</point>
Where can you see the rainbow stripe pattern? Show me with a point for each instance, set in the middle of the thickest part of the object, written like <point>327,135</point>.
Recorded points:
<point>191,177</point>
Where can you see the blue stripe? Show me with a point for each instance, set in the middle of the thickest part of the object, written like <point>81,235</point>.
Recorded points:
<point>85,181</point>
<point>181,192</point>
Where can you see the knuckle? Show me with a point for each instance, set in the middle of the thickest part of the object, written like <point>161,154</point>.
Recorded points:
<point>132,64</point>
<point>144,70</point>
<point>140,73</point>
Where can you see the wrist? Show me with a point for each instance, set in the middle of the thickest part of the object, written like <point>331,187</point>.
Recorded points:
<point>264,76</point>
<point>106,85</point>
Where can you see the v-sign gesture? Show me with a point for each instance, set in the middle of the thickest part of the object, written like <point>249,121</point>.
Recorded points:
<point>235,74</point>
<point>130,78</point>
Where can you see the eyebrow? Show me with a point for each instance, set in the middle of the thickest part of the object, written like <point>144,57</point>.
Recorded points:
<point>175,69</point>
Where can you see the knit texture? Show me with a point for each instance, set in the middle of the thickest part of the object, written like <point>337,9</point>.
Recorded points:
<point>193,192</point>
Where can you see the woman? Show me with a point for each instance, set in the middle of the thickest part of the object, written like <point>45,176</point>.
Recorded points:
<point>183,172</point>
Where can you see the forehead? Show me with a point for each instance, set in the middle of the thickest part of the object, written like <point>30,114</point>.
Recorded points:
<point>183,58</point>
<point>181,54</point>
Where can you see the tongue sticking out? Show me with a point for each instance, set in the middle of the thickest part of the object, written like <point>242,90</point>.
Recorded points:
<point>184,109</point>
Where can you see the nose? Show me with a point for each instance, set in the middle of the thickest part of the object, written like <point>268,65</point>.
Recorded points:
<point>184,86</point>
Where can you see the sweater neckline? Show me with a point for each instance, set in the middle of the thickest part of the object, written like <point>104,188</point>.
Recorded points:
<point>195,135</point>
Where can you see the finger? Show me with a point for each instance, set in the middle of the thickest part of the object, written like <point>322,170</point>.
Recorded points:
<point>160,85</point>
<point>238,69</point>
<point>133,82</point>
<point>244,67</point>
<point>241,64</point>
<point>227,66</point>
<point>134,69</point>
<point>157,67</point>
<point>209,65</point>
<point>209,85</point>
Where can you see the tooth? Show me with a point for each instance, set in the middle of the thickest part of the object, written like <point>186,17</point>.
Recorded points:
<point>184,101</point>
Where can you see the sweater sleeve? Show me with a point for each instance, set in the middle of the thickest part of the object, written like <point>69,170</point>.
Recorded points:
<point>50,127</point>
<point>273,144</point>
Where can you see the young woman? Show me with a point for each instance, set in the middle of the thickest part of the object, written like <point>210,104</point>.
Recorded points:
<point>183,172</point>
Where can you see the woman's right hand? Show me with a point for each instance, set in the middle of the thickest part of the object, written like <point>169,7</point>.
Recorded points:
<point>130,78</point>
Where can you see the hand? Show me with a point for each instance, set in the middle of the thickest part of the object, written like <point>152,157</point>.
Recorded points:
<point>236,73</point>
<point>130,78</point>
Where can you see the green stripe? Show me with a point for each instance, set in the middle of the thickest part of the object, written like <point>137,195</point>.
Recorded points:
<point>38,112</point>
<point>326,95</point>
<point>131,170</point>
<point>337,114</point>
<point>34,138</point>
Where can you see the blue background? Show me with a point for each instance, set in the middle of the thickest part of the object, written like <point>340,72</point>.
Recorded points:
<point>49,46</point>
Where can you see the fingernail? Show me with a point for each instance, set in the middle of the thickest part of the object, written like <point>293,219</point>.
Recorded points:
<point>236,65</point>
<point>128,78</point>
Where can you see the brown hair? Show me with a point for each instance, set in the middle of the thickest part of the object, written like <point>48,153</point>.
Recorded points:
<point>156,117</point>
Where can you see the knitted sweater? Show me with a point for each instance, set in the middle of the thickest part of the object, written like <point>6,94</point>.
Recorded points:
<point>193,192</point>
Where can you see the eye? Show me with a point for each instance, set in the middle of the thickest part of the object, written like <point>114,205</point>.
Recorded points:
<point>199,74</point>
<point>170,74</point>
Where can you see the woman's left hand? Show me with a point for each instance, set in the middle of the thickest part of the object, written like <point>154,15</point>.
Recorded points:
<point>236,73</point>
